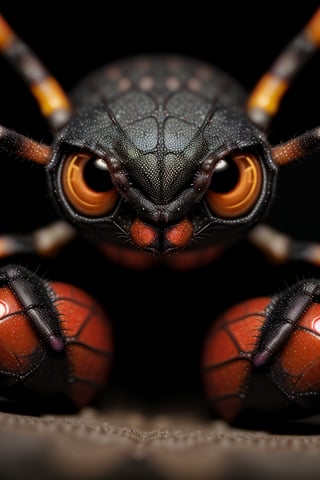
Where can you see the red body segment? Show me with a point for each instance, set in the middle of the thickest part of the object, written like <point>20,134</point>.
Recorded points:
<point>300,359</point>
<point>88,342</point>
<point>19,343</point>
<point>80,371</point>
<point>228,349</point>
<point>289,382</point>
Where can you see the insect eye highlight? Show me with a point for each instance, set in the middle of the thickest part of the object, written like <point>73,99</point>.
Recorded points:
<point>235,185</point>
<point>88,186</point>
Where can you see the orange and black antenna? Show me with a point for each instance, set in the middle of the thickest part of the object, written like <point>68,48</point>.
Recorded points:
<point>53,102</point>
<point>24,147</point>
<point>297,147</point>
<point>264,101</point>
<point>51,99</point>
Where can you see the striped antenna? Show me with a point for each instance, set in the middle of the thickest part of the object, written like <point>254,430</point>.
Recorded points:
<point>298,147</point>
<point>14,143</point>
<point>52,100</point>
<point>264,101</point>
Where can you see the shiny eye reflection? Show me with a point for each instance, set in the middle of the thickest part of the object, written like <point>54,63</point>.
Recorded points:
<point>225,177</point>
<point>88,186</point>
<point>96,175</point>
<point>235,185</point>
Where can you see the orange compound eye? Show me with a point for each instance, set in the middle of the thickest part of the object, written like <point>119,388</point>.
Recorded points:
<point>88,186</point>
<point>235,185</point>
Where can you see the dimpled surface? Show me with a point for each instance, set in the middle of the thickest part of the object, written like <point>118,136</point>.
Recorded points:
<point>26,360</point>
<point>88,342</point>
<point>159,103</point>
<point>290,380</point>
<point>227,354</point>
<point>300,359</point>
<point>20,349</point>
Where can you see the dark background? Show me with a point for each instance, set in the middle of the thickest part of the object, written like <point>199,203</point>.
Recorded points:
<point>161,317</point>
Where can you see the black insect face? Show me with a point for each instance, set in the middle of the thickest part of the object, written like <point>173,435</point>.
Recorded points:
<point>161,152</point>
<point>160,183</point>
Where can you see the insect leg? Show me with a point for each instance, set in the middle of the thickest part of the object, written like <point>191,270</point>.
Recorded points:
<point>52,100</point>
<point>55,340</point>
<point>264,100</point>
<point>282,315</point>
<point>281,248</point>
<point>45,241</point>
<point>32,293</point>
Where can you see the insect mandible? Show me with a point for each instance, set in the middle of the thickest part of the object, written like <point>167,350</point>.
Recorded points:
<point>158,159</point>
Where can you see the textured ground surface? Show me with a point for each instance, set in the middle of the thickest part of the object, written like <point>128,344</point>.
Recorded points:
<point>127,444</point>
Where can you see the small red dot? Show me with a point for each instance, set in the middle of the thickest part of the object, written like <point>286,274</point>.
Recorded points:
<point>180,234</point>
<point>143,235</point>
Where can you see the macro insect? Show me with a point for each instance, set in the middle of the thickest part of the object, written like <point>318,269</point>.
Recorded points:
<point>160,159</point>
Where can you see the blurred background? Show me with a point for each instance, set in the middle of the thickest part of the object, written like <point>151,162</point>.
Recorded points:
<point>161,317</point>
